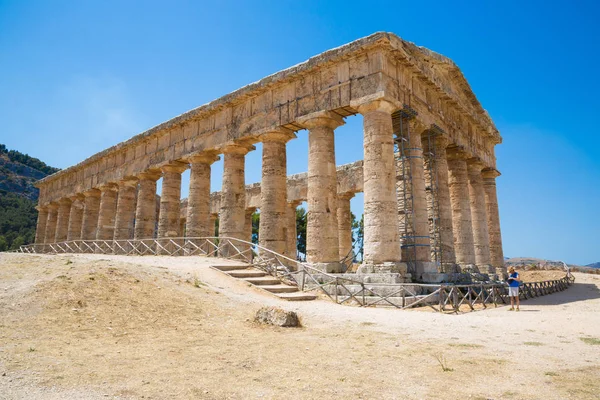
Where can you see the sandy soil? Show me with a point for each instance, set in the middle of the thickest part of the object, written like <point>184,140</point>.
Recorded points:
<point>97,327</point>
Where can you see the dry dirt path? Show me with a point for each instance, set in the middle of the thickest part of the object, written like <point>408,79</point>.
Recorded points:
<point>92,326</point>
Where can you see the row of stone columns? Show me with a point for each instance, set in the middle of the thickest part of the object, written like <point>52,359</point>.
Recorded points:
<point>466,200</point>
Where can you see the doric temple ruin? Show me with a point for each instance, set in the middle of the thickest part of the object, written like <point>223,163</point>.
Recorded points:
<point>428,173</point>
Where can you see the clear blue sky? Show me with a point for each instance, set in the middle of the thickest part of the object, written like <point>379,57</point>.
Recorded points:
<point>79,76</point>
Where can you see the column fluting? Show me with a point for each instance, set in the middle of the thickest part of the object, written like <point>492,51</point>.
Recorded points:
<point>107,212</point>
<point>125,209</point>
<point>198,208</point>
<point>75,217</point>
<point>145,210</point>
<point>493,220</point>
<point>91,209</point>
<point>291,247</point>
<point>50,232</point>
<point>40,230</point>
<point>62,220</point>
<point>344,220</point>
<point>481,239</point>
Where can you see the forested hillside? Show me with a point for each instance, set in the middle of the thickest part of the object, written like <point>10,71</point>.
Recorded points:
<point>18,196</point>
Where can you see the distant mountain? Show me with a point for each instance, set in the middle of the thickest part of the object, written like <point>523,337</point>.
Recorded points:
<point>594,265</point>
<point>18,196</point>
<point>540,263</point>
<point>19,171</point>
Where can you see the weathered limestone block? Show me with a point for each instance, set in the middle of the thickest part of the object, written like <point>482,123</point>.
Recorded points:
<point>198,205</point>
<point>42,219</point>
<point>233,196</point>
<point>481,237</point>
<point>107,213</point>
<point>125,209</point>
<point>145,212</point>
<point>322,242</point>
<point>461,207</point>
<point>62,220</point>
<point>381,241</point>
<point>344,219</point>
<point>276,316</point>
<point>273,190</point>
<point>76,217</point>
<point>91,209</point>
<point>440,209</point>
<point>51,223</point>
<point>493,220</point>
<point>168,221</point>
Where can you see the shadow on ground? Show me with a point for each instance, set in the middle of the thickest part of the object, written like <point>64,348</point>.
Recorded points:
<point>575,292</point>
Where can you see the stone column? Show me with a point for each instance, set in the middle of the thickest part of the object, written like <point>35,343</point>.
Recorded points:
<point>248,223</point>
<point>232,216</point>
<point>107,213</point>
<point>91,208</point>
<point>481,237</point>
<point>493,220</point>
<point>145,211</point>
<point>125,214</point>
<point>40,230</point>
<point>322,242</point>
<point>344,219</point>
<point>273,191</point>
<point>51,223</point>
<point>441,209</point>
<point>198,209</point>
<point>76,217</point>
<point>381,240</point>
<point>461,208</point>
<point>212,224</point>
<point>291,233</point>
<point>412,199</point>
<point>170,199</point>
<point>62,220</point>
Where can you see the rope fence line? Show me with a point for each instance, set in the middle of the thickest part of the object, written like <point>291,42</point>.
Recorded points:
<point>441,297</point>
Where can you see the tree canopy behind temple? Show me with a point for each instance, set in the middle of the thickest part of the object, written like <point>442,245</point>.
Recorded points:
<point>16,156</point>
<point>18,218</point>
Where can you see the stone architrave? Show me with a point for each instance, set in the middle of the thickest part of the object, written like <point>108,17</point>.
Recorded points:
<point>381,237</point>
<point>232,215</point>
<point>125,215</point>
<point>51,223</point>
<point>461,208</point>
<point>75,217</point>
<point>40,230</point>
<point>322,241</point>
<point>107,213</point>
<point>437,169</point>
<point>344,220</point>
<point>273,192</point>
<point>62,220</point>
<point>481,239</point>
<point>145,210</point>
<point>91,209</point>
<point>291,247</point>
<point>198,208</point>
<point>493,220</point>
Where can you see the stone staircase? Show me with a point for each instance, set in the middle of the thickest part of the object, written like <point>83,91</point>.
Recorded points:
<point>262,280</point>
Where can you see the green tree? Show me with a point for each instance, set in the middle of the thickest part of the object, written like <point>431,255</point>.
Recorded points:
<point>3,243</point>
<point>358,236</point>
<point>301,229</point>
<point>255,226</point>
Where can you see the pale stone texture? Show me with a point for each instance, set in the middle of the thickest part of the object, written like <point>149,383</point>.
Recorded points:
<point>42,219</point>
<point>233,200</point>
<point>436,164</point>
<point>381,237</point>
<point>145,212</point>
<point>411,195</point>
<point>91,208</point>
<point>461,208</point>
<point>51,223</point>
<point>198,208</point>
<point>62,220</point>
<point>274,190</point>
<point>76,217</point>
<point>344,219</point>
<point>481,238</point>
<point>493,220</point>
<point>125,209</point>
<point>168,217</point>
<point>291,247</point>
<point>322,242</point>
<point>106,215</point>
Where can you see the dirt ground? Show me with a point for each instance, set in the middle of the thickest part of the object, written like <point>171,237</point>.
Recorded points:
<point>98,327</point>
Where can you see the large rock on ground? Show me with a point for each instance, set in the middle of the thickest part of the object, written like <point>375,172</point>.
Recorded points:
<point>276,316</point>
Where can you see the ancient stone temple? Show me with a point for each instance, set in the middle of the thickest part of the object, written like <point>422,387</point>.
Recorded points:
<point>428,173</point>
